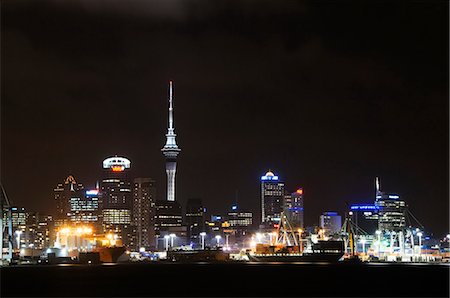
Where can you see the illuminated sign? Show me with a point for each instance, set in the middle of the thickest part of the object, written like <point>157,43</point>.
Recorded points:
<point>364,207</point>
<point>269,177</point>
<point>92,192</point>
<point>299,191</point>
<point>117,168</point>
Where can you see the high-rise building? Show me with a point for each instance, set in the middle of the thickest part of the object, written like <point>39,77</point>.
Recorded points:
<point>144,197</point>
<point>195,219</point>
<point>331,222</point>
<point>171,150</point>
<point>169,220</point>
<point>19,221</point>
<point>85,209</point>
<point>240,221</point>
<point>40,231</point>
<point>293,207</point>
<point>272,192</point>
<point>391,212</point>
<point>63,194</point>
<point>117,198</point>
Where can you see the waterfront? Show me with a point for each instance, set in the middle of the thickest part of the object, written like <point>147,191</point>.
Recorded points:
<point>234,279</point>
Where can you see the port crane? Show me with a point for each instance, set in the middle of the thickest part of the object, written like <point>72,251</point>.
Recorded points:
<point>5,226</point>
<point>285,232</point>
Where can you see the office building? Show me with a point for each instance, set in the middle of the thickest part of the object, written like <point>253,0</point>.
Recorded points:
<point>391,212</point>
<point>293,207</point>
<point>144,197</point>
<point>85,209</point>
<point>63,193</point>
<point>330,222</point>
<point>195,219</point>
<point>169,220</point>
<point>117,199</point>
<point>272,192</point>
<point>39,232</point>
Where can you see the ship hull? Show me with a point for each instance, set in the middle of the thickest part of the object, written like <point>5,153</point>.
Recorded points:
<point>314,257</point>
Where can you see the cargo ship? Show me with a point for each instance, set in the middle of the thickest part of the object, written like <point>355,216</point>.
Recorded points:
<point>322,251</point>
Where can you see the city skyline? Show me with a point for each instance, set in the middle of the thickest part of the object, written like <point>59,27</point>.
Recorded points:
<point>329,123</point>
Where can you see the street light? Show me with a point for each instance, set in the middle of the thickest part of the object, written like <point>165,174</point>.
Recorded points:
<point>166,237</point>
<point>218,237</point>
<point>392,241</point>
<point>420,242</point>
<point>259,237</point>
<point>300,232</point>
<point>172,236</point>
<point>378,232</point>
<point>18,233</point>
<point>203,234</point>
<point>448,240</point>
<point>226,241</point>
<point>363,242</point>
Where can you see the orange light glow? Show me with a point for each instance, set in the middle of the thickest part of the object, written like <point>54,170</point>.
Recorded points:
<point>117,168</point>
<point>300,191</point>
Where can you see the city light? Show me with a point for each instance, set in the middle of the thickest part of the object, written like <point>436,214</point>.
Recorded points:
<point>218,237</point>
<point>203,234</point>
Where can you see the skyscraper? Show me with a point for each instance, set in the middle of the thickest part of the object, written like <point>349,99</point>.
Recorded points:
<point>116,197</point>
<point>391,210</point>
<point>171,151</point>
<point>144,197</point>
<point>272,192</point>
<point>195,219</point>
<point>293,206</point>
<point>63,194</point>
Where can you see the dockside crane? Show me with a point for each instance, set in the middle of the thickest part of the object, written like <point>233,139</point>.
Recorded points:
<point>6,227</point>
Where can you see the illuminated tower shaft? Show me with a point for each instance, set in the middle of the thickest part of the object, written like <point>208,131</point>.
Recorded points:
<point>171,151</point>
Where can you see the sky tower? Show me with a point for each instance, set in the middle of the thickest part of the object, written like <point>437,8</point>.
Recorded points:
<point>171,151</point>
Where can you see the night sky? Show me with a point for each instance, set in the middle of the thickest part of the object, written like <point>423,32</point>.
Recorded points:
<point>327,94</point>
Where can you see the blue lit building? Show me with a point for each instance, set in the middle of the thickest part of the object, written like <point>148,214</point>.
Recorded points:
<point>293,208</point>
<point>272,192</point>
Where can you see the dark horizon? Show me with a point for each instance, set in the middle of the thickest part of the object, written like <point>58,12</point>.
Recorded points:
<point>328,95</point>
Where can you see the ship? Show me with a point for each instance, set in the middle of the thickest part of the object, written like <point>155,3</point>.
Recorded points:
<point>323,251</point>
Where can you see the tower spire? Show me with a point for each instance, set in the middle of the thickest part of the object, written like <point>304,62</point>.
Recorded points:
<point>170,107</point>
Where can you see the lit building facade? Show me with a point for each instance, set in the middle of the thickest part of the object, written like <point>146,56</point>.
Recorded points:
<point>272,192</point>
<point>144,196</point>
<point>19,222</point>
<point>117,199</point>
<point>195,219</point>
<point>63,194</point>
<point>293,207</point>
<point>39,231</point>
<point>330,222</point>
<point>169,220</point>
<point>391,212</point>
<point>85,209</point>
